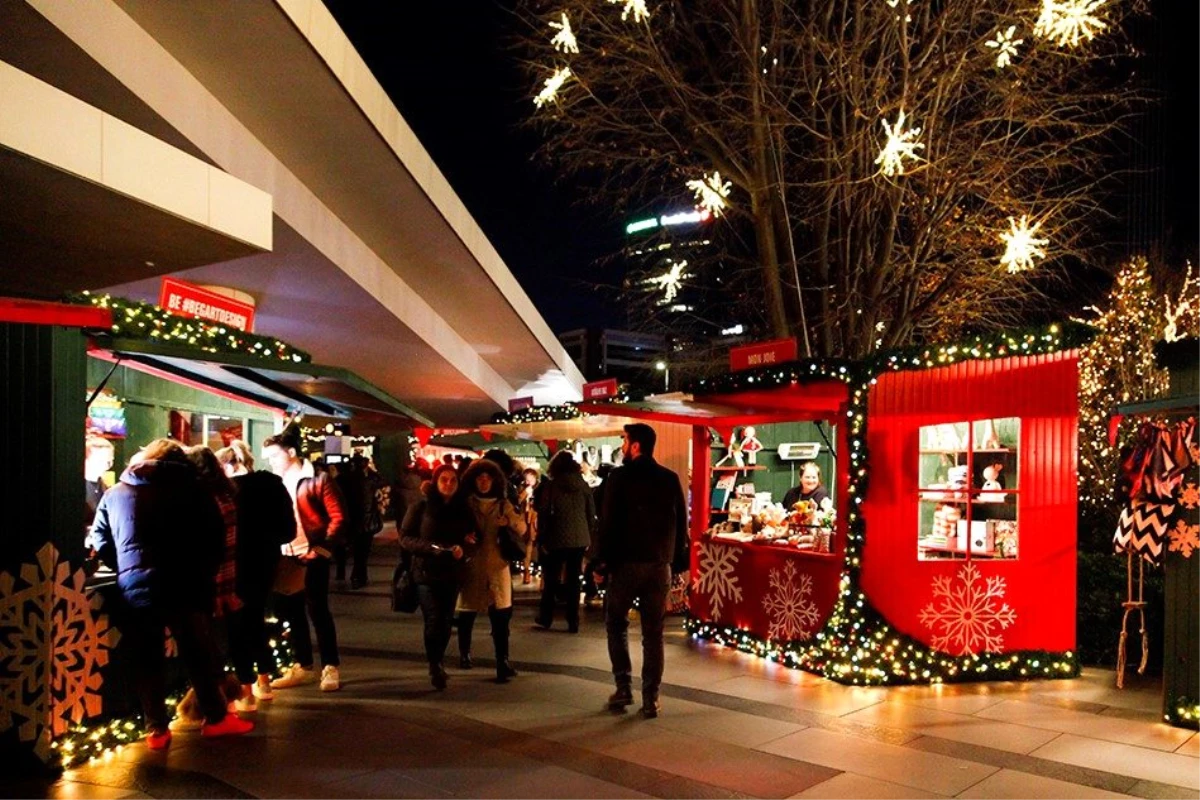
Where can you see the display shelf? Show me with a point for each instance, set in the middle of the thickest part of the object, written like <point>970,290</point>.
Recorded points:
<point>787,548</point>
<point>737,469</point>
<point>947,547</point>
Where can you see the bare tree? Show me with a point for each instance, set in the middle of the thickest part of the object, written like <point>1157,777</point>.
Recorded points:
<point>876,149</point>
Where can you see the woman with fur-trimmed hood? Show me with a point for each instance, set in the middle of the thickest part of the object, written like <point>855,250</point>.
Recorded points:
<point>487,580</point>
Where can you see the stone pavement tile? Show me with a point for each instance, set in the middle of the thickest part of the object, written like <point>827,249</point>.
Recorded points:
<point>502,714</point>
<point>744,770</point>
<point>1152,790</point>
<point>67,790</point>
<point>553,782</point>
<point>585,762</point>
<point>1123,759</point>
<point>1098,686</point>
<point>960,727</point>
<point>677,786</point>
<point>598,731</point>
<point>928,771</point>
<point>1191,747</point>
<point>824,698</point>
<point>382,783</point>
<point>265,780</point>
<point>968,698</point>
<point>1011,783</point>
<point>731,727</point>
<point>850,785</point>
<point>1157,735</point>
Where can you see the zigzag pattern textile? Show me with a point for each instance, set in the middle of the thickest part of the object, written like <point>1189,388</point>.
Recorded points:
<point>1152,472</point>
<point>1142,529</point>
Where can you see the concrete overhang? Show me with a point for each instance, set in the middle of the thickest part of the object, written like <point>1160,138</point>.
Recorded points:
<point>88,198</point>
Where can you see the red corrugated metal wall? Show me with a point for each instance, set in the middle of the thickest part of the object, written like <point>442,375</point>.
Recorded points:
<point>1040,583</point>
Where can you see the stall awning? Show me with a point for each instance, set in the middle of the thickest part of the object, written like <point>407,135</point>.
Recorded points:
<point>310,389</point>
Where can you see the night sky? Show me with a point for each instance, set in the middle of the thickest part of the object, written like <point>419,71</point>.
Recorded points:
<point>446,68</point>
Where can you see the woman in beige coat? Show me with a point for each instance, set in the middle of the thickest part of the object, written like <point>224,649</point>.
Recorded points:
<point>487,579</point>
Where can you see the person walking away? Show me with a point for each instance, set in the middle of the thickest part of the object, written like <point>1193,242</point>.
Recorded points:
<point>349,480</point>
<point>406,491</point>
<point>434,533</point>
<point>567,519</point>
<point>319,528</point>
<point>487,579</point>
<point>373,485</point>
<point>529,480</point>
<point>162,533</point>
<point>643,538</point>
<point>265,523</point>
<point>592,580</point>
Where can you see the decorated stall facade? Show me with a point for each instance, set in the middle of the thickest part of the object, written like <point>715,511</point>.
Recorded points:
<point>953,553</point>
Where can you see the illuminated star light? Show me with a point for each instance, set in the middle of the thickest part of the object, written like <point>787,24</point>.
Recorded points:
<point>711,193</point>
<point>671,281</point>
<point>549,92</point>
<point>900,144</point>
<point>635,7</point>
<point>1005,46</point>
<point>1021,246</point>
<point>894,3</point>
<point>1068,22</point>
<point>564,40</point>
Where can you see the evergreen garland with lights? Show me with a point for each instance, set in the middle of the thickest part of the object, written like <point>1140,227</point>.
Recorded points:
<point>857,645</point>
<point>559,413</point>
<point>136,320</point>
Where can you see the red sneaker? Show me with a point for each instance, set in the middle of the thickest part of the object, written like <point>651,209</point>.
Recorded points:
<point>232,725</point>
<point>158,740</point>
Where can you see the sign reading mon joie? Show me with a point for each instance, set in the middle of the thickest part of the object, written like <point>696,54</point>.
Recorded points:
<point>762,354</point>
<point>600,390</point>
<point>188,299</point>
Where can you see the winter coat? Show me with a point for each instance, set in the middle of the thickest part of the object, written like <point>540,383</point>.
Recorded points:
<point>265,521</point>
<point>162,533</point>
<point>486,577</point>
<point>644,518</point>
<point>406,493</point>
<point>321,511</point>
<point>434,520</point>
<point>566,513</point>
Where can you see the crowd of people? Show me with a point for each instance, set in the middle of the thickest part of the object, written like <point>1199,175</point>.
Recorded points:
<point>201,543</point>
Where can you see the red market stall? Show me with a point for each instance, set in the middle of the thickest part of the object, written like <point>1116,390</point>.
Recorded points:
<point>951,537</point>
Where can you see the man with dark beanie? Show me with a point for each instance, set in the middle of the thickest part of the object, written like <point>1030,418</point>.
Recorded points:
<point>643,538</point>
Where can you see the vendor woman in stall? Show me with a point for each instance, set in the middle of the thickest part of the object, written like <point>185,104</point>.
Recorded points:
<point>810,488</point>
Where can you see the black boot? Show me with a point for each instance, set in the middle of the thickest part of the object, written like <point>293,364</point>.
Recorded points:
<point>437,676</point>
<point>466,623</point>
<point>500,619</point>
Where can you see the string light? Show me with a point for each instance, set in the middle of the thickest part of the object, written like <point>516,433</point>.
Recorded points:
<point>637,8</point>
<point>710,193</point>
<point>900,144</point>
<point>1021,245</point>
<point>1005,46</point>
<point>564,40</point>
<point>671,281</point>
<point>550,87</point>
<point>1069,22</point>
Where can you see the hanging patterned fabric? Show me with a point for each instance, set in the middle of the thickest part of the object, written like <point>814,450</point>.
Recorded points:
<point>1142,530</point>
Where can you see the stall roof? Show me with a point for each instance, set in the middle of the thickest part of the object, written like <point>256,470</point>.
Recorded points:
<point>312,389</point>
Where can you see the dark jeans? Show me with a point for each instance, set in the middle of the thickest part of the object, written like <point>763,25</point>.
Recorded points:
<point>314,599</point>
<point>650,582</point>
<point>553,562</point>
<point>437,606</point>
<point>357,544</point>
<point>500,618</point>
<point>193,633</point>
<point>248,639</point>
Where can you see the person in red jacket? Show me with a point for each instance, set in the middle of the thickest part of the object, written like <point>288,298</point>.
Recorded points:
<point>320,522</point>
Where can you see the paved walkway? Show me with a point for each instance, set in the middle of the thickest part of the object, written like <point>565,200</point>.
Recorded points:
<point>732,726</point>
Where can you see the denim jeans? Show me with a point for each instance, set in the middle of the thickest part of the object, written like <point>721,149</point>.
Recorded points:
<point>650,582</point>
<point>552,567</point>
<point>437,606</point>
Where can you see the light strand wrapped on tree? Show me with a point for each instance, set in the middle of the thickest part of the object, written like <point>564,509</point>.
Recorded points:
<point>875,151</point>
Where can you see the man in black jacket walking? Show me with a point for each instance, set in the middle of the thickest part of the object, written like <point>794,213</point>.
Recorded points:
<point>643,538</point>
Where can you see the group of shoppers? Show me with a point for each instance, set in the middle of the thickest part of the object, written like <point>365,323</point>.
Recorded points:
<point>196,537</point>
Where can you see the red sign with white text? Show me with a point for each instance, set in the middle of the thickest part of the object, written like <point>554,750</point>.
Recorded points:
<point>189,300</point>
<point>520,403</point>
<point>600,390</point>
<point>762,354</point>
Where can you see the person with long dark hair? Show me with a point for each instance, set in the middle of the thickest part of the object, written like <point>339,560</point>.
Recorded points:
<point>434,533</point>
<point>566,521</point>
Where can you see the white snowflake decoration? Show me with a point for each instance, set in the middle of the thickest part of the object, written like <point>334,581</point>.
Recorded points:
<point>1069,22</point>
<point>1005,46</point>
<point>717,576</point>
<point>1184,309</point>
<point>791,613</point>
<point>1184,538</point>
<point>710,193</point>
<point>564,40</point>
<point>635,7</point>
<point>549,92</point>
<point>900,144</point>
<point>1021,246</point>
<point>968,618</point>
<point>671,281</point>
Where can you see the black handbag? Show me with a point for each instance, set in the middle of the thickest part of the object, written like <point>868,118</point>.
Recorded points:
<point>404,590</point>
<point>512,544</point>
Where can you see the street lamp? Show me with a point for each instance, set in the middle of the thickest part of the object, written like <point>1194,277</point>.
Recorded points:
<point>665,369</point>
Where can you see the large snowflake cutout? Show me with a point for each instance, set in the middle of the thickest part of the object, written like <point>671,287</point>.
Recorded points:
<point>1021,245</point>
<point>564,41</point>
<point>1189,496</point>
<point>901,143</point>
<point>967,615</point>
<point>671,281</point>
<point>47,621</point>
<point>791,613</point>
<point>1069,22</point>
<point>1184,538</point>
<point>1005,46</point>
<point>635,7</point>
<point>711,193</point>
<point>718,578</point>
<point>550,87</point>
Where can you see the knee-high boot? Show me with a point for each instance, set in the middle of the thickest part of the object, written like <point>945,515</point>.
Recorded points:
<point>500,619</point>
<point>466,624</point>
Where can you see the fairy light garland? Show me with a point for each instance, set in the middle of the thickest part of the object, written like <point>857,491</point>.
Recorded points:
<point>1184,712</point>
<point>136,320</point>
<point>559,413</point>
<point>857,645</point>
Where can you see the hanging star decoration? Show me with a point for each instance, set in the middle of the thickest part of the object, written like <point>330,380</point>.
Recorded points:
<point>895,3</point>
<point>1021,246</point>
<point>1005,46</point>
<point>635,7</point>
<point>1069,22</point>
<point>549,92</point>
<point>710,193</point>
<point>671,281</point>
<point>900,144</point>
<point>564,40</point>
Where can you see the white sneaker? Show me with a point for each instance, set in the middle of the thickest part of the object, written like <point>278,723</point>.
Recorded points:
<point>295,675</point>
<point>262,688</point>
<point>331,681</point>
<point>247,703</point>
